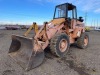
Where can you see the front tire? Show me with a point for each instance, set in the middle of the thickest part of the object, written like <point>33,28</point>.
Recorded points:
<point>59,44</point>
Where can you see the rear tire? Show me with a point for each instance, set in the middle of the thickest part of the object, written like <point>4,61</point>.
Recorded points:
<point>59,44</point>
<point>83,41</point>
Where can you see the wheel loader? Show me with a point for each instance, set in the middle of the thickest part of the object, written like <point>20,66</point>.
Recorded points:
<point>58,34</point>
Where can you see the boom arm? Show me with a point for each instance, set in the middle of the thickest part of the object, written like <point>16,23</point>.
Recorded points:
<point>35,26</point>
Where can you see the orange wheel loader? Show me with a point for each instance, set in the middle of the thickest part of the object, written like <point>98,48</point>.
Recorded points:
<point>64,30</point>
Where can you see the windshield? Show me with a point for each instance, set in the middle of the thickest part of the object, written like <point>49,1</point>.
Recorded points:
<point>60,11</point>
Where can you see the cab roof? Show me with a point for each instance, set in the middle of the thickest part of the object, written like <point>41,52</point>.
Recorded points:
<point>69,5</point>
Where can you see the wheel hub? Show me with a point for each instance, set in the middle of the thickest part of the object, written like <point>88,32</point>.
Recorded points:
<point>63,45</point>
<point>86,41</point>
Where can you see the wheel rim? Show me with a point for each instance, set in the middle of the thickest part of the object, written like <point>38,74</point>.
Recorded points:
<point>63,45</point>
<point>85,41</point>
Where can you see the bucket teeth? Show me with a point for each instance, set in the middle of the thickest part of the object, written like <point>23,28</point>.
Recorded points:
<point>21,50</point>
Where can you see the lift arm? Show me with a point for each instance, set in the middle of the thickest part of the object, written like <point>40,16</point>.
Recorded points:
<point>35,26</point>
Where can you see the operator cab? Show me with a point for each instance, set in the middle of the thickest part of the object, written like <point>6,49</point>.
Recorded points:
<point>67,11</point>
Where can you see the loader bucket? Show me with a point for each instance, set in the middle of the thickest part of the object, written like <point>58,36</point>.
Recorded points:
<point>21,50</point>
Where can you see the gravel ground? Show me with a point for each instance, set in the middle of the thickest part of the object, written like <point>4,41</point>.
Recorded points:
<point>76,62</point>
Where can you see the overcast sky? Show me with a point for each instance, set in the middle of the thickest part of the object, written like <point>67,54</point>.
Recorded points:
<point>28,11</point>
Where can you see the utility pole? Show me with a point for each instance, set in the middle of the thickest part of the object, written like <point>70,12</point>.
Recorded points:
<point>92,23</point>
<point>86,19</point>
<point>97,22</point>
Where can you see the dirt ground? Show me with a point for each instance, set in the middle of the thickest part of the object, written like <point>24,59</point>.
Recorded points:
<point>76,62</point>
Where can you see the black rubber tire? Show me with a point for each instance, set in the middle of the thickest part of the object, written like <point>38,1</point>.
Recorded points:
<point>80,40</point>
<point>54,44</point>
